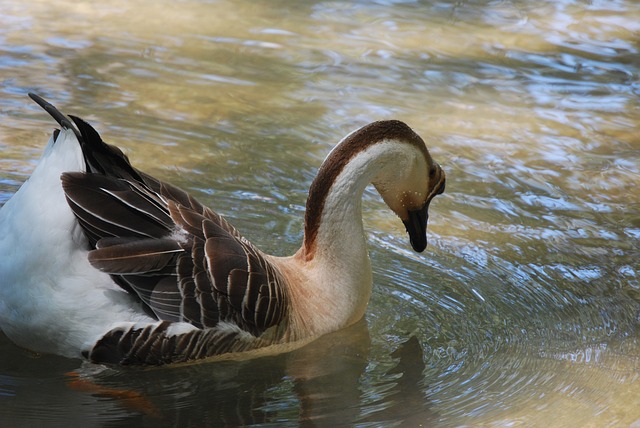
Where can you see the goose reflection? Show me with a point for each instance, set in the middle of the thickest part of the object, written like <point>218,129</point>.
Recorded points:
<point>406,400</point>
<point>317,385</point>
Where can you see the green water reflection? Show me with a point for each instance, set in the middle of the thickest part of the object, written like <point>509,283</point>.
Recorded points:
<point>525,308</point>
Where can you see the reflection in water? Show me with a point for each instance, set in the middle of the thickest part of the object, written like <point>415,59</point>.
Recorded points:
<point>326,376</point>
<point>317,385</point>
<point>403,398</point>
<point>525,308</point>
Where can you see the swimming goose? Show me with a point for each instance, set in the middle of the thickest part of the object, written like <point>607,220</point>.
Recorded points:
<point>102,261</point>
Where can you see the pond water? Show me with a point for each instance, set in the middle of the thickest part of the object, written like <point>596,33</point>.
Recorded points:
<point>525,307</point>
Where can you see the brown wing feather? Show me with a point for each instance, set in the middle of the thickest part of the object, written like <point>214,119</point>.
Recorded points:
<point>139,256</point>
<point>184,261</point>
<point>248,289</point>
<point>152,345</point>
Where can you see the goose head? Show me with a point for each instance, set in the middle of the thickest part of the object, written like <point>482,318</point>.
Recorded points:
<point>392,157</point>
<point>414,179</point>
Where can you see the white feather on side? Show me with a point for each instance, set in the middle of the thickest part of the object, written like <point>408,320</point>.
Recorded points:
<point>38,219</point>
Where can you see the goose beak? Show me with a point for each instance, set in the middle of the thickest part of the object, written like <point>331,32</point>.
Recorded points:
<point>416,226</point>
<point>416,223</point>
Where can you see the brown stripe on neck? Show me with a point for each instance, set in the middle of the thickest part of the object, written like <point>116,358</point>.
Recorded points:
<point>341,155</point>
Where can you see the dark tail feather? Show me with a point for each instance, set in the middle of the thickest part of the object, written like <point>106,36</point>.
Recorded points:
<point>99,157</point>
<point>104,158</point>
<point>62,120</point>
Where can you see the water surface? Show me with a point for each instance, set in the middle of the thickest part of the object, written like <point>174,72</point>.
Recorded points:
<point>525,308</point>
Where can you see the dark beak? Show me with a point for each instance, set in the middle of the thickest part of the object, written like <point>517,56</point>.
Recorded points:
<point>416,226</point>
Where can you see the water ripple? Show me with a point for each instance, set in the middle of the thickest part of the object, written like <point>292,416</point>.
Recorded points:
<point>525,307</point>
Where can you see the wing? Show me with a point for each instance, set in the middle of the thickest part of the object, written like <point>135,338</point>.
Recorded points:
<point>184,261</point>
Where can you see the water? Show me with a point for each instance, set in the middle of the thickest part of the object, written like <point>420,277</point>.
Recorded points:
<point>525,308</point>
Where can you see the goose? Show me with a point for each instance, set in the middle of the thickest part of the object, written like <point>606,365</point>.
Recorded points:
<point>103,262</point>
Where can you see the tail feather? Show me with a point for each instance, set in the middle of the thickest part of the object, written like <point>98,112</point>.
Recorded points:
<point>56,114</point>
<point>100,157</point>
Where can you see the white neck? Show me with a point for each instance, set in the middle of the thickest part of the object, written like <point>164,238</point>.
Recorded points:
<point>341,257</point>
<point>335,250</point>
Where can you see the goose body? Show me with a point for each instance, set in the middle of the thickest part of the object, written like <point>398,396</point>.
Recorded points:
<point>102,261</point>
